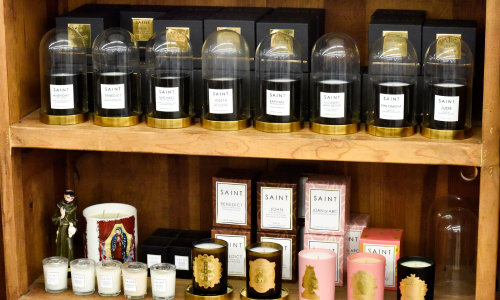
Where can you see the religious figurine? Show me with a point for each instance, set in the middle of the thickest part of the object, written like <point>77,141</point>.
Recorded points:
<point>65,218</point>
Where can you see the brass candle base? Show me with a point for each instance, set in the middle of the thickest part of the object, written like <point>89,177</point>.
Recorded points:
<point>390,131</point>
<point>116,121</point>
<point>278,127</point>
<point>225,125</point>
<point>189,294</point>
<point>284,294</point>
<point>63,120</point>
<point>445,134</point>
<point>169,123</point>
<point>334,129</point>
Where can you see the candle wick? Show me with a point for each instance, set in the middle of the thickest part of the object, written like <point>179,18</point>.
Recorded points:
<point>103,213</point>
<point>117,215</point>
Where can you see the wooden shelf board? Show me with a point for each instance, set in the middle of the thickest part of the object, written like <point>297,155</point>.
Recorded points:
<point>194,140</point>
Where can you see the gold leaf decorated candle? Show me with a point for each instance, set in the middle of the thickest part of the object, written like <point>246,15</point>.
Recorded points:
<point>264,267</point>
<point>365,276</point>
<point>210,267</point>
<point>416,278</point>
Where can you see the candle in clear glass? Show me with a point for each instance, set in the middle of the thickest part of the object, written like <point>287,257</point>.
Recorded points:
<point>210,267</point>
<point>83,276</point>
<point>415,278</point>
<point>317,274</point>
<point>163,281</point>
<point>365,276</point>
<point>109,277</point>
<point>55,274</point>
<point>135,280</point>
<point>264,270</point>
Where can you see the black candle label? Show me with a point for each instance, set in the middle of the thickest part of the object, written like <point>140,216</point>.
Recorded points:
<point>412,288</point>
<point>363,285</point>
<point>167,99</point>
<point>262,275</point>
<point>61,96</point>
<point>113,96</point>
<point>392,106</point>
<point>207,270</point>
<point>446,108</point>
<point>310,283</point>
<point>278,103</point>
<point>332,105</point>
<point>220,101</point>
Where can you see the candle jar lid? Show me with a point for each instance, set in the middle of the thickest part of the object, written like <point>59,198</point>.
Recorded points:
<point>82,263</point>
<point>265,244</point>
<point>163,267</point>
<point>55,261</point>
<point>135,266</point>
<point>109,264</point>
<point>197,244</point>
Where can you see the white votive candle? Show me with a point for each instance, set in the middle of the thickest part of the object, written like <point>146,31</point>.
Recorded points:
<point>83,276</point>
<point>163,281</point>
<point>415,264</point>
<point>55,274</point>
<point>135,280</point>
<point>109,276</point>
<point>264,249</point>
<point>366,260</point>
<point>208,246</point>
<point>317,255</point>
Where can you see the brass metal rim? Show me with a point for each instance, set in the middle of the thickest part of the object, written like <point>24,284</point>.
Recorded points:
<point>225,125</point>
<point>390,132</point>
<point>191,296</point>
<point>278,127</point>
<point>169,123</point>
<point>116,122</point>
<point>284,294</point>
<point>333,129</point>
<point>445,134</point>
<point>63,120</point>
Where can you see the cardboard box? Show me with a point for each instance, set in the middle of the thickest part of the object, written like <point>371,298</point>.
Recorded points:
<point>197,9</point>
<point>317,13</point>
<point>179,254</point>
<point>330,242</point>
<point>248,10</point>
<point>399,13</point>
<point>166,232</point>
<point>194,234</point>
<point>154,250</point>
<point>465,28</point>
<point>237,240</point>
<point>290,252</point>
<point>354,227</point>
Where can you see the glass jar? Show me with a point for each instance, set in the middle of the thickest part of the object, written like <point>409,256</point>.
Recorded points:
<point>163,281</point>
<point>83,276</point>
<point>448,73</point>
<point>393,68</point>
<point>135,280</point>
<point>226,81</point>
<point>335,101</point>
<point>63,77</point>
<point>115,60</point>
<point>55,274</point>
<point>109,278</point>
<point>278,75</point>
<point>169,72</point>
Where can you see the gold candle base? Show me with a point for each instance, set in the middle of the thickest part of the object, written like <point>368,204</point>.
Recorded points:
<point>334,129</point>
<point>278,127</point>
<point>390,132</point>
<point>225,125</point>
<point>169,123</point>
<point>284,294</point>
<point>445,134</point>
<point>63,120</point>
<point>189,294</point>
<point>116,121</point>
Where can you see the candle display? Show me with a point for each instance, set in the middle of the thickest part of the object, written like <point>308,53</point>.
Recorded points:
<point>280,99</point>
<point>109,277</point>
<point>163,281</point>
<point>416,278</point>
<point>210,266</point>
<point>316,279</point>
<point>264,268</point>
<point>365,276</point>
<point>135,280</point>
<point>83,276</point>
<point>393,104</point>
<point>55,274</point>
<point>224,98</point>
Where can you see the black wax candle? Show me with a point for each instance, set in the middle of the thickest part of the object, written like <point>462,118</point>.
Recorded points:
<point>280,100</point>
<point>394,104</point>
<point>66,93</point>
<point>210,267</point>
<point>333,103</point>
<point>223,98</point>
<point>447,105</point>
<point>415,278</point>
<point>115,93</point>
<point>170,96</point>
<point>264,268</point>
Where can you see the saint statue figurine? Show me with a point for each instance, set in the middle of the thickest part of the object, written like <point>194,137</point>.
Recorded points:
<point>65,218</point>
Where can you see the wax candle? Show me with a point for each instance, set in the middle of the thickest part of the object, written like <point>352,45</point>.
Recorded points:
<point>83,276</point>
<point>264,270</point>
<point>109,277</point>
<point>394,103</point>
<point>365,276</point>
<point>415,278</point>
<point>135,280</point>
<point>163,281</point>
<point>210,262</point>
<point>55,274</point>
<point>317,274</point>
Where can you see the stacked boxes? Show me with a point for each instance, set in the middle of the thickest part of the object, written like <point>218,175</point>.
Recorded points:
<point>354,228</point>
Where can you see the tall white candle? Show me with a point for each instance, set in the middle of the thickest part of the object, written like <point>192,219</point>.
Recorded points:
<point>109,277</point>
<point>55,274</point>
<point>135,280</point>
<point>83,276</point>
<point>416,264</point>
<point>163,281</point>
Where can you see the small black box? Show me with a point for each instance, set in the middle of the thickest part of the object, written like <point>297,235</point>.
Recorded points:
<point>166,232</point>
<point>154,250</point>
<point>399,13</point>
<point>194,234</point>
<point>179,254</point>
<point>248,10</point>
<point>101,7</point>
<point>318,13</point>
<point>465,28</point>
<point>197,9</point>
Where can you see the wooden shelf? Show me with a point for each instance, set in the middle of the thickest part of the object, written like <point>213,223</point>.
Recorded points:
<point>194,140</point>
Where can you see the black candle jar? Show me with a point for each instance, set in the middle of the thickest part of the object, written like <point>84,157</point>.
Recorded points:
<point>210,267</point>
<point>264,267</point>
<point>415,278</point>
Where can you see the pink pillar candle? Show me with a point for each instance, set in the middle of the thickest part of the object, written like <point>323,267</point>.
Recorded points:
<point>317,274</point>
<point>365,276</point>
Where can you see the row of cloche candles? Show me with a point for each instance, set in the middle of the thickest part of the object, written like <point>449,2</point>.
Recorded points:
<point>335,100</point>
<point>365,275</point>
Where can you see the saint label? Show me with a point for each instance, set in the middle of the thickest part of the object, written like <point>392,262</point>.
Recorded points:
<point>236,253</point>
<point>286,273</point>
<point>153,260</point>
<point>207,270</point>
<point>61,96</point>
<point>78,280</point>
<point>389,252</point>
<point>182,263</point>
<point>130,284</point>
<point>142,28</point>
<point>52,278</point>
<point>412,288</point>
<point>220,101</point>
<point>276,208</point>
<point>446,108</point>
<point>160,285</point>
<point>324,209</point>
<point>392,106</point>
<point>331,105</point>
<point>106,281</point>
<point>262,275</point>
<point>231,201</point>
<point>334,246</point>
<point>278,103</point>
<point>363,285</point>
<point>167,99</point>
<point>310,283</point>
<point>113,96</point>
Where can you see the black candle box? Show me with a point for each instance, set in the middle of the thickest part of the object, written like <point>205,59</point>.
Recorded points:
<point>434,28</point>
<point>179,254</point>
<point>154,250</point>
<point>166,232</point>
<point>248,10</point>
<point>99,7</point>
<point>198,9</point>
<point>194,234</point>
<point>399,13</point>
<point>318,13</point>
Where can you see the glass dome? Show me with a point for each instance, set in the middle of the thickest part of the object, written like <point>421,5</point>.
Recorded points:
<point>335,101</point>
<point>393,68</point>
<point>448,73</point>
<point>278,74</point>
<point>169,73</point>
<point>63,77</point>
<point>115,60</point>
<point>226,81</point>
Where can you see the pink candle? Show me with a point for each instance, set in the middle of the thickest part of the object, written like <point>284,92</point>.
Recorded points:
<point>365,276</point>
<point>317,274</point>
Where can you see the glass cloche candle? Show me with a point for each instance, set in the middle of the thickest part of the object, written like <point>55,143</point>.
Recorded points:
<point>278,71</point>
<point>63,77</point>
<point>115,60</point>
<point>393,69</point>
<point>169,72</point>
<point>448,72</point>
<point>226,81</point>
<point>335,103</point>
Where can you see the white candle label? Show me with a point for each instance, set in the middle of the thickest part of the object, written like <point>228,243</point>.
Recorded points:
<point>331,105</point>
<point>324,209</point>
<point>220,101</point>
<point>52,278</point>
<point>392,106</point>
<point>182,263</point>
<point>160,285</point>
<point>278,103</point>
<point>130,284</point>
<point>446,108</point>
<point>61,96</point>
<point>352,238</point>
<point>153,260</point>
<point>334,246</point>
<point>167,99</point>
<point>113,96</point>
<point>231,202</point>
<point>287,255</point>
<point>106,281</point>
<point>236,253</point>
<point>389,252</point>
<point>78,280</point>
<point>276,208</point>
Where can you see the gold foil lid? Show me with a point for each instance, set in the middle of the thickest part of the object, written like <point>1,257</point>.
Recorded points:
<point>207,270</point>
<point>176,37</point>
<point>394,46</point>
<point>449,47</point>
<point>142,28</point>
<point>84,30</point>
<point>228,37</point>
<point>440,35</point>
<point>398,33</point>
<point>184,30</point>
<point>283,40</point>
<point>262,275</point>
<point>235,29</point>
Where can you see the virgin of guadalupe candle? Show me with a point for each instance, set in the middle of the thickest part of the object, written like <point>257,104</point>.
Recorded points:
<point>365,276</point>
<point>316,274</point>
<point>416,278</point>
<point>163,281</point>
<point>109,278</point>
<point>264,267</point>
<point>55,274</point>
<point>135,280</point>
<point>210,267</point>
<point>83,276</point>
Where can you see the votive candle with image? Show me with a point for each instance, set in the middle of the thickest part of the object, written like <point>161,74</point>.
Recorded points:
<point>316,274</point>
<point>210,263</point>
<point>415,278</point>
<point>264,270</point>
<point>365,276</point>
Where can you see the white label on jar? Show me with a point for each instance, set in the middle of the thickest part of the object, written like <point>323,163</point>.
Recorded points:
<point>446,108</point>
<point>278,103</point>
<point>276,208</point>
<point>130,284</point>
<point>235,253</point>
<point>113,96</point>
<point>61,96</point>
<point>392,106</point>
<point>106,281</point>
<point>287,254</point>
<point>334,246</point>
<point>52,278</point>
<point>160,285</point>
<point>182,263</point>
<point>231,202</point>
<point>389,252</point>
<point>331,105</point>
<point>324,209</point>
<point>352,238</point>
<point>167,99</point>
<point>220,101</point>
<point>153,260</point>
<point>78,280</point>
